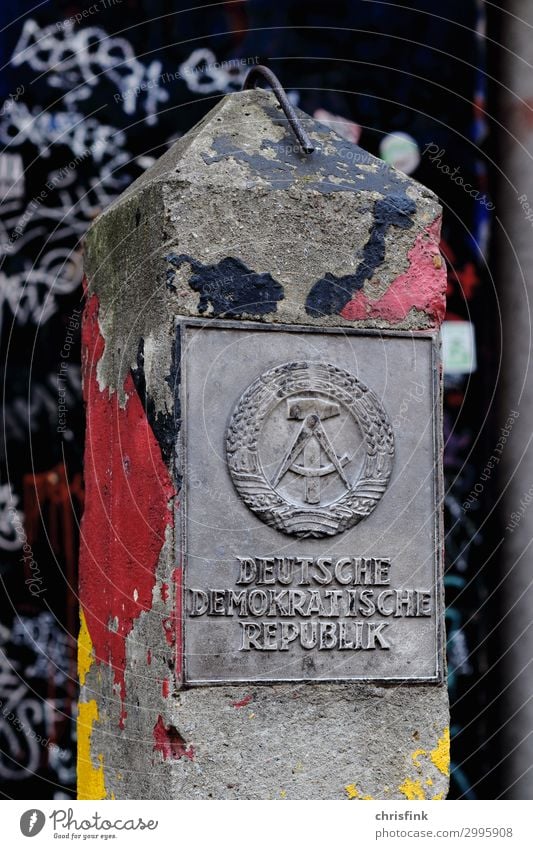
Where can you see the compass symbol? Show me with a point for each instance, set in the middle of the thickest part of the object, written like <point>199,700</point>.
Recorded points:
<point>310,440</point>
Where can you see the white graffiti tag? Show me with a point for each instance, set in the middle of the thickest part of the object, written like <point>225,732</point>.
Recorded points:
<point>74,60</point>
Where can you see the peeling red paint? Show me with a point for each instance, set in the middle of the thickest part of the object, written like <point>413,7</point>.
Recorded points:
<point>169,742</point>
<point>164,592</point>
<point>422,286</point>
<point>126,509</point>
<point>243,702</point>
<point>169,629</point>
<point>165,688</point>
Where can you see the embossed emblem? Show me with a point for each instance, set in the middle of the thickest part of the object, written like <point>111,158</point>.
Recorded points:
<point>310,449</point>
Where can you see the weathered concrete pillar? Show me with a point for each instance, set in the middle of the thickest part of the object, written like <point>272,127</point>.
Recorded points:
<point>261,564</point>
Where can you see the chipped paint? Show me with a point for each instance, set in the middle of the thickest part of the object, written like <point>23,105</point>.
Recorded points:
<point>169,742</point>
<point>85,650</point>
<point>353,793</point>
<point>440,755</point>
<point>242,702</point>
<point>331,294</point>
<point>416,758</point>
<point>125,516</point>
<point>170,628</point>
<point>422,287</point>
<point>164,423</point>
<point>337,165</point>
<point>412,789</point>
<point>91,783</point>
<point>229,288</point>
<point>439,758</point>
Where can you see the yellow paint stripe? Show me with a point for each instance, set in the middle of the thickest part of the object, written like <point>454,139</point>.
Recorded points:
<point>85,650</point>
<point>91,784</point>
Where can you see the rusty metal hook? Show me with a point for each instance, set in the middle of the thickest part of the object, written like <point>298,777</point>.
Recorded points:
<point>251,82</point>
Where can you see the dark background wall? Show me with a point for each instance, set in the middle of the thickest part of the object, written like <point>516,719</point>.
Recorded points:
<point>88,103</point>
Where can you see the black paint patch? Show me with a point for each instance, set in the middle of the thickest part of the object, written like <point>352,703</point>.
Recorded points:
<point>336,165</point>
<point>230,287</point>
<point>330,294</point>
<point>165,426</point>
<point>171,273</point>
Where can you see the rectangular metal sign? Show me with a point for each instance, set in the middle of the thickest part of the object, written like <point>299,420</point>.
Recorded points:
<point>311,483</point>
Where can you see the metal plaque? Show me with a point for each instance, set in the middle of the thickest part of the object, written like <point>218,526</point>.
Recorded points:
<point>311,485</point>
